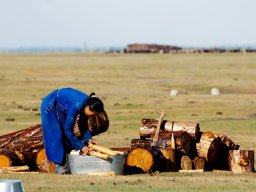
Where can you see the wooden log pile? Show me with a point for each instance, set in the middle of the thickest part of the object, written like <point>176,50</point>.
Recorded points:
<point>25,148</point>
<point>180,146</point>
<point>192,151</point>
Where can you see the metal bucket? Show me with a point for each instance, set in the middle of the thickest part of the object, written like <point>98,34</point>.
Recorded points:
<point>11,186</point>
<point>80,164</point>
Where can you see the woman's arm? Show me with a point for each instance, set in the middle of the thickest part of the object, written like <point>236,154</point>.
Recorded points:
<point>76,143</point>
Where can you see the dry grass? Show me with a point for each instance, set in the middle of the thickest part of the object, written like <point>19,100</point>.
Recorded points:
<point>134,87</point>
<point>157,182</point>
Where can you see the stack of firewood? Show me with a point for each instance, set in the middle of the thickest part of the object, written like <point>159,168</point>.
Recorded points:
<point>181,146</point>
<point>24,148</point>
<point>192,151</point>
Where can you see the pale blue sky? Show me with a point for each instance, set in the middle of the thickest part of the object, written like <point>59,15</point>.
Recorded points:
<point>98,23</point>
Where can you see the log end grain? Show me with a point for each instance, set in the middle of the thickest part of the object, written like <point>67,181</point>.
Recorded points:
<point>186,163</point>
<point>164,159</point>
<point>209,147</point>
<point>241,161</point>
<point>199,162</point>
<point>5,161</point>
<point>43,164</point>
<point>140,158</point>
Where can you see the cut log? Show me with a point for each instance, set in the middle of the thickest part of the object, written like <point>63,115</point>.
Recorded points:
<point>125,150</point>
<point>169,154</point>
<point>186,163</point>
<point>228,142</point>
<point>148,127</point>
<point>199,163</point>
<point>164,159</point>
<point>192,171</point>
<point>141,143</point>
<point>209,147</point>
<point>139,158</point>
<point>5,161</point>
<point>220,171</point>
<point>15,168</point>
<point>104,149</point>
<point>182,140</point>
<point>109,173</point>
<point>169,159</point>
<point>241,161</point>
<point>191,128</point>
<point>42,162</point>
<point>222,162</point>
<point>22,146</point>
<point>99,154</point>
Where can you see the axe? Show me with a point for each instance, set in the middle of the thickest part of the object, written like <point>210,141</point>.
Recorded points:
<point>155,141</point>
<point>172,139</point>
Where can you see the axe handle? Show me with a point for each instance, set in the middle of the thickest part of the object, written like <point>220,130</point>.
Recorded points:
<point>158,127</point>
<point>172,139</point>
<point>103,149</point>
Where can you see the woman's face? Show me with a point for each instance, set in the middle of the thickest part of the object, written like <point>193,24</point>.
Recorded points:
<point>88,112</point>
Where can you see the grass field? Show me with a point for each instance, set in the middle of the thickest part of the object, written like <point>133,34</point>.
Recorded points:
<point>135,87</point>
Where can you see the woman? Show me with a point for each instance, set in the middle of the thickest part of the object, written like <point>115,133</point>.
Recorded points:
<point>61,111</point>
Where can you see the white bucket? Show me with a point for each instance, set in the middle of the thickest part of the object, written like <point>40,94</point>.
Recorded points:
<point>80,164</point>
<point>11,186</point>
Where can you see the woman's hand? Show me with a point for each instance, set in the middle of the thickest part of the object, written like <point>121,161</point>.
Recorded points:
<point>93,142</point>
<point>85,150</point>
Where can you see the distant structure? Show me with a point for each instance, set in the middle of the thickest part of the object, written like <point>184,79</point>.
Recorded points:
<point>174,92</point>
<point>215,91</point>
<point>150,48</point>
<point>156,48</point>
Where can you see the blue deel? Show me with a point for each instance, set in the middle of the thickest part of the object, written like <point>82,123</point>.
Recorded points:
<point>59,110</point>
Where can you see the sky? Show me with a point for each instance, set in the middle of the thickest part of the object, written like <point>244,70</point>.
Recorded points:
<point>116,23</point>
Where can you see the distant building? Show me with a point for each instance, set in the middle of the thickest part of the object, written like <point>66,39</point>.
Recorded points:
<point>156,48</point>
<point>150,48</point>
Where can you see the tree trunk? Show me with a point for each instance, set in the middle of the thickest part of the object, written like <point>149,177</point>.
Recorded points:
<point>148,127</point>
<point>241,161</point>
<point>139,160</point>
<point>22,147</point>
<point>209,147</point>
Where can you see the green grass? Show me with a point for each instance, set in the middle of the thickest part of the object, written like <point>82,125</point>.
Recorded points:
<point>134,87</point>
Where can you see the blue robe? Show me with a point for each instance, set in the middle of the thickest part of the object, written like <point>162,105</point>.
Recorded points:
<point>59,110</point>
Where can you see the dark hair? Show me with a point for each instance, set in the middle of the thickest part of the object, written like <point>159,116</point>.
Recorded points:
<point>95,104</point>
